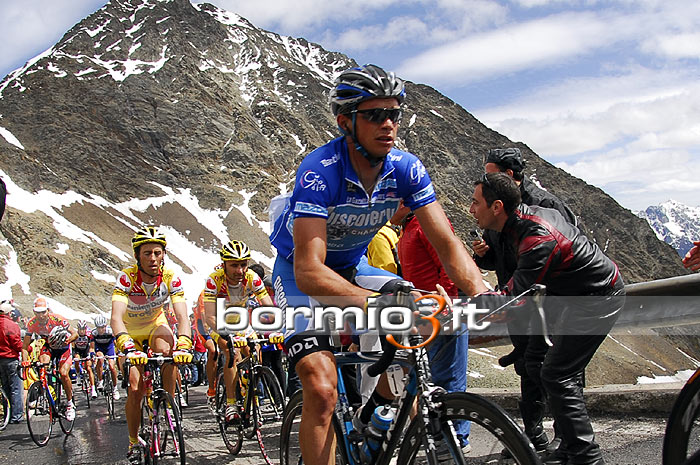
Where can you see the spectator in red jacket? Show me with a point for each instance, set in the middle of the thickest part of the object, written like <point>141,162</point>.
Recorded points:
<point>692,258</point>
<point>10,347</point>
<point>421,265</point>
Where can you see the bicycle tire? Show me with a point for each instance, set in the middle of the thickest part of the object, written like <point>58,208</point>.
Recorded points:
<point>231,434</point>
<point>39,414</point>
<point>492,430</point>
<point>290,451</point>
<point>66,426</point>
<point>85,386</point>
<point>272,393</point>
<point>145,436</point>
<point>680,446</point>
<point>178,398</point>
<point>4,410</point>
<point>168,430</point>
<point>108,392</point>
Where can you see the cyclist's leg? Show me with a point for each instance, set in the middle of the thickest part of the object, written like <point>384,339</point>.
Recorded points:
<point>162,341</point>
<point>99,365</point>
<point>211,364</point>
<point>135,394</point>
<point>64,365</point>
<point>91,373</point>
<point>311,357</point>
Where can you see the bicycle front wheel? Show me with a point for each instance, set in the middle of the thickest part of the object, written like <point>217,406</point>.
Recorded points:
<point>85,386</point>
<point>66,425</point>
<point>682,437</point>
<point>290,451</point>
<point>168,430</point>
<point>232,433</point>
<point>39,414</point>
<point>492,431</point>
<point>4,410</point>
<point>108,392</point>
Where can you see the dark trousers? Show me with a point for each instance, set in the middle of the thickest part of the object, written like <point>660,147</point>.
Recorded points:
<point>583,325</point>
<point>12,384</point>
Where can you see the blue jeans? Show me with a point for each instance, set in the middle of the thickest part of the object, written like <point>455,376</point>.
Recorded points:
<point>450,371</point>
<point>12,385</point>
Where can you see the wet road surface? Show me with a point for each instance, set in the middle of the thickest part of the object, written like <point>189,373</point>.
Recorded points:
<point>97,440</point>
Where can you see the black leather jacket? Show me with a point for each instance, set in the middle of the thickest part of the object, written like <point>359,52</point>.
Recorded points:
<point>540,246</point>
<point>530,195</point>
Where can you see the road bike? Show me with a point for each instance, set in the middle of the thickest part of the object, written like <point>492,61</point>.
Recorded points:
<point>84,380</point>
<point>682,437</point>
<point>424,437</point>
<point>45,404</point>
<point>160,433</point>
<point>108,384</point>
<point>4,409</point>
<point>259,400</point>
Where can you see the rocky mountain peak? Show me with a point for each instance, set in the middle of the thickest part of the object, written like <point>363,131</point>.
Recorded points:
<point>190,117</point>
<point>675,223</point>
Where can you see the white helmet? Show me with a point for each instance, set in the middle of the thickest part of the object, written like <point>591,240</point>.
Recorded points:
<point>58,337</point>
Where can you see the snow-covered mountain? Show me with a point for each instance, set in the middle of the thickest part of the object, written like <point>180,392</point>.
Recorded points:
<point>675,223</point>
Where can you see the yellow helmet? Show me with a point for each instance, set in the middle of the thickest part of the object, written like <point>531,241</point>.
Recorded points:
<point>148,234</point>
<point>235,250</point>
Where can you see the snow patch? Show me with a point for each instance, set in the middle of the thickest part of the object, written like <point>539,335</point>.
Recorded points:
<point>10,138</point>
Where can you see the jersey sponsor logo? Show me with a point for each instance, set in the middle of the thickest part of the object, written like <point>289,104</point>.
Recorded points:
<point>329,161</point>
<point>416,173</point>
<point>304,207</point>
<point>423,193</point>
<point>312,180</point>
<point>211,285</point>
<point>386,183</point>
<point>124,280</point>
<point>361,220</point>
<point>257,282</point>
<point>177,283</point>
<point>395,157</point>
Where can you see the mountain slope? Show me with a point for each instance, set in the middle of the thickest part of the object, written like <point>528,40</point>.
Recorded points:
<point>191,117</point>
<point>674,223</point>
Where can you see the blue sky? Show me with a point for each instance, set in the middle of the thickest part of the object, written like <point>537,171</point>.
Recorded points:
<point>608,90</point>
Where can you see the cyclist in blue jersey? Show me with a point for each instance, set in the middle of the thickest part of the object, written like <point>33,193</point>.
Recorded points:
<point>345,191</point>
<point>103,337</point>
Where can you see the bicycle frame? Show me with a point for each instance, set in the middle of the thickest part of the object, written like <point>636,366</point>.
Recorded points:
<point>419,385</point>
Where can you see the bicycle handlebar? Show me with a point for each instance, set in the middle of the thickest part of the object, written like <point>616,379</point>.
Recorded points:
<point>403,298</point>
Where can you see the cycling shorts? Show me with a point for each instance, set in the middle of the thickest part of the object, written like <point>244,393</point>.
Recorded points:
<point>82,353</point>
<point>106,349</point>
<point>302,340</point>
<point>141,333</point>
<point>61,356</point>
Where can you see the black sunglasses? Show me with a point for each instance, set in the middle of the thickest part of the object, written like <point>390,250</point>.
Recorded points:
<point>486,182</point>
<point>379,115</point>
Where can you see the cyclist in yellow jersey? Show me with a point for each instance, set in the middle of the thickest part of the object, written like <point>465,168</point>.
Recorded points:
<point>233,281</point>
<point>139,295</point>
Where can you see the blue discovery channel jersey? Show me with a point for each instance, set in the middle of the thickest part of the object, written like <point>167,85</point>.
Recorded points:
<point>327,187</point>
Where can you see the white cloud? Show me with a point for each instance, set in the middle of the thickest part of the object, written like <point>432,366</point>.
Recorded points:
<point>534,44</point>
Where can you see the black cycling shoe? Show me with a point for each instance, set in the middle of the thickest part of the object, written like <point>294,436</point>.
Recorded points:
<point>134,454</point>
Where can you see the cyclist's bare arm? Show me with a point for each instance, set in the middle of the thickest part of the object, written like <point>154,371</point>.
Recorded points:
<point>117,319</point>
<point>453,255</point>
<point>210,315</point>
<point>183,321</point>
<point>73,335</point>
<point>313,277</point>
<point>25,346</point>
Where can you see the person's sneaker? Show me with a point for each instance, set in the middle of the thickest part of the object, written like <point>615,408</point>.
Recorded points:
<point>100,385</point>
<point>70,411</point>
<point>116,394</point>
<point>232,415</point>
<point>183,402</point>
<point>134,454</point>
<point>93,393</point>
<point>211,403</point>
<point>443,454</point>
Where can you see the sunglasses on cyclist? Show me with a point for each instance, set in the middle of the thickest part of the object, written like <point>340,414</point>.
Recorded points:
<point>379,115</point>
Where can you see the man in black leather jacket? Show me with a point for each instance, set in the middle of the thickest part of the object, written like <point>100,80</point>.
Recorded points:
<point>589,292</point>
<point>528,352</point>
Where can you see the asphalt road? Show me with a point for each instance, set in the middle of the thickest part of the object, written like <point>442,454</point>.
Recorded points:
<point>97,440</point>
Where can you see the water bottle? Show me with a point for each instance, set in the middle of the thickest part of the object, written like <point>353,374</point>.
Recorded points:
<point>376,430</point>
